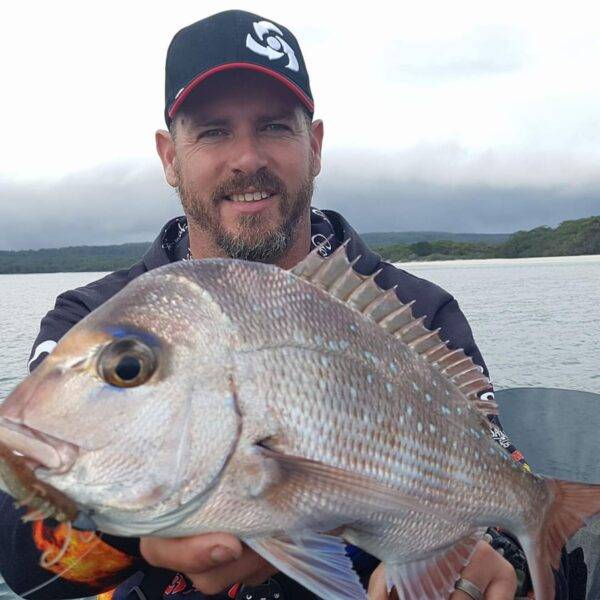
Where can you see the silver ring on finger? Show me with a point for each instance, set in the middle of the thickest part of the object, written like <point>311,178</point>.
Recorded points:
<point>469,588</point>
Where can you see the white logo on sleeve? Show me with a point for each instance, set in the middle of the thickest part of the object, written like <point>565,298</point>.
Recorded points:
<point>274,46</point>
<point>46,346</point>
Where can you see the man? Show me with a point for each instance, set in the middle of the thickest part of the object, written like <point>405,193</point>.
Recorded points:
<point>242,151</point>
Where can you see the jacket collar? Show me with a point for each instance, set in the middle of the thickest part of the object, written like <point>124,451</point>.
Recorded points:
<point>328,228</point>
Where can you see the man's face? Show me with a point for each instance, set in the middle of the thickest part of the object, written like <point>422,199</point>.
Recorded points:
<point>244,163</point>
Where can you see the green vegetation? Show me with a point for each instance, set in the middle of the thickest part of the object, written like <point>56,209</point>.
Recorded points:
<point>393,238</point>
<point>569,238</point>
<point>73,258</point>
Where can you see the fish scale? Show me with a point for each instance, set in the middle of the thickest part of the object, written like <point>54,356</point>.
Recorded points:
<point>282,406</point>
<point>303,365</point>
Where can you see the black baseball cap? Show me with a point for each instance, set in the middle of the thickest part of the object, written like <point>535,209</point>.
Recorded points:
<point>234,39</point>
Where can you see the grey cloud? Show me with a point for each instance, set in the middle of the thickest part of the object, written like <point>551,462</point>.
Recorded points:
<point>423,189</point>
<point>415,206</point>
<point>106,205</point>
<point>486,50</point>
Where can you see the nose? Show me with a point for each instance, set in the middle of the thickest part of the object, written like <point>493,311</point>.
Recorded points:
<point>247,155</point>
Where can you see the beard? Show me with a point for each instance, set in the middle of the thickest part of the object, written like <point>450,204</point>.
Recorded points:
<point>254,239</point>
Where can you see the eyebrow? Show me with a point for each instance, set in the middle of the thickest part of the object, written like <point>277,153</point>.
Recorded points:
<point>278,116</point>
<point>200,121</point>
<point>208,121</point>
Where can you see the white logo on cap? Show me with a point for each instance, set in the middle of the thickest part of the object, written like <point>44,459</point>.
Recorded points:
<point>275,47</point>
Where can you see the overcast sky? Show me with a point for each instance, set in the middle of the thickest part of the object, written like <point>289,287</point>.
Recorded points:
<point>462,116</point>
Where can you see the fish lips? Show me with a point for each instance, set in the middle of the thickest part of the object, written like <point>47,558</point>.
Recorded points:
<point>45,450</point>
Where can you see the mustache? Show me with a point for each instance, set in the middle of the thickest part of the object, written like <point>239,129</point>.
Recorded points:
<point>261,180</point>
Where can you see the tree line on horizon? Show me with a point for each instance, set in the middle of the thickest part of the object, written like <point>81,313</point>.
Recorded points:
<point>576,237</point>
<point>570,238</point>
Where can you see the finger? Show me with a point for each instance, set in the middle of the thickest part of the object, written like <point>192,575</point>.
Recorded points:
<point>377,584</point>
<point>250,568</point>
<point>503,587</point>
<point>490,573</point>
<point>479,570</point>
<point>192,554</point>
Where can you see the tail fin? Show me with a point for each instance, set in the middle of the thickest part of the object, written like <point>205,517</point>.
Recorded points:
<point>573,506</point>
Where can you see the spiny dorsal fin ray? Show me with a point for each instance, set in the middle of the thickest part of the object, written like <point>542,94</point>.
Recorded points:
<point>329,270</point>
<point>398,318</point>
<point>426,341</point>
<point>347,282</point>
<point>380,308</point>
<point>365,293</point>
<point>336,275</point>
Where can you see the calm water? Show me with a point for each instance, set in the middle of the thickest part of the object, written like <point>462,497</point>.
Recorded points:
<point>24,300</point>
<point>537,321</point>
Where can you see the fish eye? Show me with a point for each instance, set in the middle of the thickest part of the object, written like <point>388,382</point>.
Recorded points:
<point>127,362</point>
<point>128,368</point>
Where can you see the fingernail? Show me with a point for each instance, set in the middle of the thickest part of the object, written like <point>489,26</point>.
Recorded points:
<point>222,554</point>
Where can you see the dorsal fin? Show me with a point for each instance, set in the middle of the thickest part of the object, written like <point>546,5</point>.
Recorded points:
<point>335,274</point>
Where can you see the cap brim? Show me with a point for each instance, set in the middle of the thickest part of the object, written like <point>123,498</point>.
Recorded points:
<point>185,92</point>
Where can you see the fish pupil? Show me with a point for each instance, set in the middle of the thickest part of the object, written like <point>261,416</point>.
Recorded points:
<point>128,368</point>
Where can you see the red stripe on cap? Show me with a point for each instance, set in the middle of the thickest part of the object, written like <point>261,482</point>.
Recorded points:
<point>240,65</point>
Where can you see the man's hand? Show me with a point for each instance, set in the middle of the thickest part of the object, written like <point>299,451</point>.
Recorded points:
<point>491,573</point>
<point>213,562</point>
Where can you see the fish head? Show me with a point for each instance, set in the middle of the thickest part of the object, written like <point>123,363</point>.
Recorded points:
<point>133,415</point>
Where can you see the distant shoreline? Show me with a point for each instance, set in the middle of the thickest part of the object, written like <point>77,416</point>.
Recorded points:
<point>459,262</point>
<point>500,261</point>
<point>571,238</point>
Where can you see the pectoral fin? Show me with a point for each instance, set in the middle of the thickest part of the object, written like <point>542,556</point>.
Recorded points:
<point>316,561</point>
<point>358,493</point>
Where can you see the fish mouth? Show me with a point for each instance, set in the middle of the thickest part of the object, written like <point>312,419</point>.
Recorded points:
<point>41,449</point>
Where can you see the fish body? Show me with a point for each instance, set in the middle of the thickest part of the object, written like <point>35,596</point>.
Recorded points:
<point>222,395</point>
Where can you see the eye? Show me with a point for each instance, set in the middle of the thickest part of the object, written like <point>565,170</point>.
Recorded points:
<point>212,133</point>
<point>277,127</point>
<point>128,362</point>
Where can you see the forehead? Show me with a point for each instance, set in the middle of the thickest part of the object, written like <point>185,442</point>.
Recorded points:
<point>240,92</point>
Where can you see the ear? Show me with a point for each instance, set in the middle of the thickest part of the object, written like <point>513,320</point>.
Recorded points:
<point>316,143</point>
<point>165,146</point>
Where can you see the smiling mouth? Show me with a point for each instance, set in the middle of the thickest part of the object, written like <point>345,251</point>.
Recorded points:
<point>250,196</point>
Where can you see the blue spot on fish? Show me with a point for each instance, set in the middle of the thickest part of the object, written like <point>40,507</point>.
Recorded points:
<point>143,336</point>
